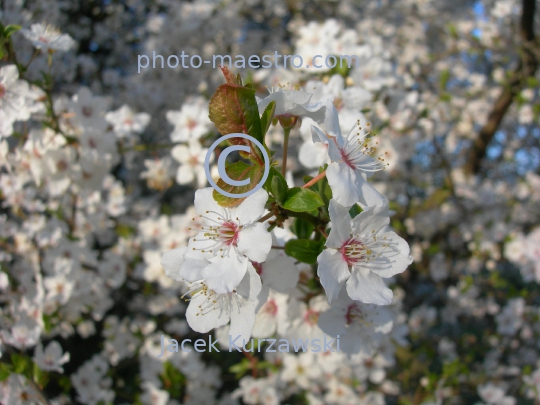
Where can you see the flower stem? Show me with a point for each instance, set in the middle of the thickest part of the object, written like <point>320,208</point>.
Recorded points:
<point>286,132</point>
<point>314,180</point>
<point>267,216</point>
<point>36,53</point>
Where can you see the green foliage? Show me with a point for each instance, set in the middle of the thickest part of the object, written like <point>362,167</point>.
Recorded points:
<point>234,109</point>
<point>241,368</point>
<point>304,250</point>
<point>5,371</point>
<point>173,380</point>
<point>10,30</point>
<point>267,116</point>
<point>302,228</point>
<point>20,363</point>
<point>355,210</point>
<point>302,200</point>
<point>238,171</point>
<point>443,80</point>
<point>279,189</point>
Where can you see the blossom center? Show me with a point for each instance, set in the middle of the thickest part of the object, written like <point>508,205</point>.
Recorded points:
<point>353,251</point>
<point>194,161</point>
<point>311,317</point>
<point>229,232</point>
<point>87,111</point>
<point>357,152</point>
<point>258,267</point>
<point>353,314</point>
<point>271,308</point>
<point>191,123</point>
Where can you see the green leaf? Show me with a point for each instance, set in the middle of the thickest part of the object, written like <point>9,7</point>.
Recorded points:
<point>19,362</point>
<point>271,174</point>
<point>302,228</point>
<point>230,78</point>
<point>443,80</point>
<point>238,171</point>
<point>241,368</point>
<point>5,371</point>
<point>302,200</point>
<point>279,189</point>
<point>234,109</point>
<point>355,210</point>
<point>11,29</point>
<point>172,379</point>
<point>65,383</point>
<point>124,231</point>
<point>267,116</point>
<point>303,250</point>
<point>40,377</point>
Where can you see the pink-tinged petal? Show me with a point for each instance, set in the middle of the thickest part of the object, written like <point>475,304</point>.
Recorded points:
<point>223,274</point>
<point>251,209</point>
<point>255,242</point>
<point>333,272</point>
<point>341,225</point>
<point>209,318</point>
<point>368,287</point>
<point>341,179</point>
<point>171,262</point>
<point>371,221</point>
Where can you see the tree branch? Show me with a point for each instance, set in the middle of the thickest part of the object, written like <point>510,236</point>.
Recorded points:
<point>526,68</point>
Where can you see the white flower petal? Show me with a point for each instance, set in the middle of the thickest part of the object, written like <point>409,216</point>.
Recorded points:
<point>371,219</point>
<point>209,319</point>
<point>279,272</point>
<point>251,209</point>
<point>206,206</point>
<point>341,225</point>
<point>333,272</point>
<point>223,274</point>
<point>368,196</point>
<point>368,287</point>
<point>242,320</point>
<point>341,179</point>
<point>255,242</point>
<point>171,262</point>
<point>250,286</point>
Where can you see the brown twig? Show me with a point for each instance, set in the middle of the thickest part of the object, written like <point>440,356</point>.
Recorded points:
<point>526,69</point>
<point>314,179</point>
